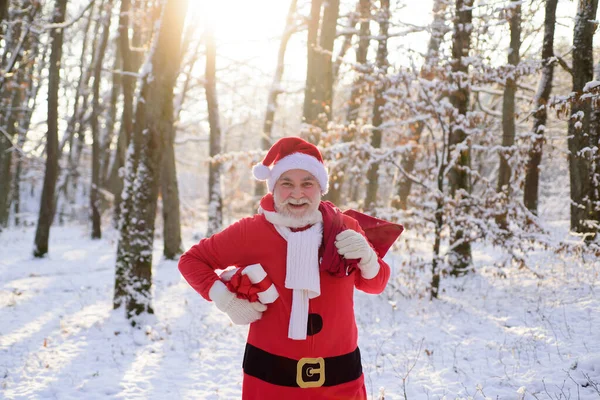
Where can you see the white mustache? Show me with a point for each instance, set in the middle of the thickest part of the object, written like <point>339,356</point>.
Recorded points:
<point>297,202</point>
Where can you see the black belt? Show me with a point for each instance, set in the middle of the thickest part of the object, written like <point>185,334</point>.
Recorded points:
<point>306,372</point>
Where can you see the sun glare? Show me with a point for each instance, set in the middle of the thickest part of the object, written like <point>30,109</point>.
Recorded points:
<point>240,20</point>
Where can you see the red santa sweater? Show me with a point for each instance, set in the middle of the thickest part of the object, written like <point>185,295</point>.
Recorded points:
<point>332,326</point>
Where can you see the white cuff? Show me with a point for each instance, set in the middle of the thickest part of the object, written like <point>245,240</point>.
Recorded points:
<point>220,295</point>
<point>369,268</point>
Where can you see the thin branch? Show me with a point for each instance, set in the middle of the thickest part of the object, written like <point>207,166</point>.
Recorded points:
<point>66,24</point>
<point>12,145</point>
<point>564,65</point>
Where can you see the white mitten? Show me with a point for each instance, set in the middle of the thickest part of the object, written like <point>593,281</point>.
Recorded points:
<point>240,311</point>
<point>352,245</point>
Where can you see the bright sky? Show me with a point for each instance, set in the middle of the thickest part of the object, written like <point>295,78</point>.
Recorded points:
<point>248,30</point>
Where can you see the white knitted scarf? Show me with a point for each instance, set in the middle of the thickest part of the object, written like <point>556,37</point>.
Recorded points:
<point>302,267</point>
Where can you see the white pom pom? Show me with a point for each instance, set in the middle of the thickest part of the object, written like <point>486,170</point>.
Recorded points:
<point>261,172</point>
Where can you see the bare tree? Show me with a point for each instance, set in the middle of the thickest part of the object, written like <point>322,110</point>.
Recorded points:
<point>111,119</point>
<point>265,140</point>
<point>46,215</point>
<point>379,102</point>
<point>96,114</point>
<point>337,173</point>
<point>169,186</point>
<point>438,29</point>
<point>3,8</point>
<point>459,180</point>
<point>33,84</point>
<point>130,66</point>
<point>215,201</point>
<point>508,105</point>
<point>318,92</point>
<point>582,213</point>
<point>19,57</point>
<point>595,159</point>
<point>532,177</point>
<point>73,135</point>
<point>153,122</point>
<point>170,200</point>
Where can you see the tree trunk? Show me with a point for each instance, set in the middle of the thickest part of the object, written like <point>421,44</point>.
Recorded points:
<point>337,173</point>
<point>327,35</point>
<point>33,85</point>
<point>265,142</point>
<point>508,108</point>
<point>595,161</point>
<point>532,177</point>
<point>96,113</point>
<point>438,29</point>
<point>460,255</point>
<point>353,20</point>
<point>215,201</point>
<point>579,123</point>
<point>111,118</point>
<point>3,8</point>
<point>318,93</point>
<point>128,81</point>
<point>169,185</point>
<point>170,201</point>
<point>13,99</point>
<point>379,103</point>
<point>153,121</point>
<point>46,215</point>
<point>309,114</point>
<point>69,176</point>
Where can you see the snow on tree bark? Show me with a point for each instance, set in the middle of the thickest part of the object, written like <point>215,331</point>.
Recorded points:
<point>153,120</point>
<point>459,181</point>
<point>580,154</point>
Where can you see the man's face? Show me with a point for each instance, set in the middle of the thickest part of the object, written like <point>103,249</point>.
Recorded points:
<point>297,193</point>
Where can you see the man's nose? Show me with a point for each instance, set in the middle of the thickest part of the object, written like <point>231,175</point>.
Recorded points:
<point>297,192</point>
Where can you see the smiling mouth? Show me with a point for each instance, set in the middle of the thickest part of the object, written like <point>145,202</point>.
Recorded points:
<point>297,206</point>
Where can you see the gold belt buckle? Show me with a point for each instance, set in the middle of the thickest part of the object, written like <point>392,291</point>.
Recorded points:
<point>310,366</point>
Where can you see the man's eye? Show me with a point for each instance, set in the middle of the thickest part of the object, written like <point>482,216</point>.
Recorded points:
<point>308,184</point>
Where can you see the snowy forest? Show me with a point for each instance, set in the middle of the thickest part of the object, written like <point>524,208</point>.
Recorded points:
<point>128,132</point>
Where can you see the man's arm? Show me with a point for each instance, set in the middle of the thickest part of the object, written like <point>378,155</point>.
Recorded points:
<point>226,248</point>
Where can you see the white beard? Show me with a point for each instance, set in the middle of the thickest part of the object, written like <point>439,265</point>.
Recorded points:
<point>282,217</point>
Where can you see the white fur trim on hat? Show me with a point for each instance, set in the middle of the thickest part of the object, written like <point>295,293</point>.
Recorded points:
<point>261,172</point>
<point>300,161</point>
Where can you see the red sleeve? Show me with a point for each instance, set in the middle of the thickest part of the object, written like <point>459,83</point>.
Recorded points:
<point>221,250</point>
<point>376,284</point>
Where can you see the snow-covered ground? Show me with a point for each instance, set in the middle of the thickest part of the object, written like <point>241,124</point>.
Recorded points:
<point>493,335</point>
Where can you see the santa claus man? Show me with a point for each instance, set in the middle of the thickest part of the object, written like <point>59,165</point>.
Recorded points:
<point>304,344</point>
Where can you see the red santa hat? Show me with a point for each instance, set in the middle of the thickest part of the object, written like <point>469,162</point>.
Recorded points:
<point>291,153</point>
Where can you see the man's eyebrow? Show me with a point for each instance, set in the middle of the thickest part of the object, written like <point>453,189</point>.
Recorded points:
<point>308,178</point>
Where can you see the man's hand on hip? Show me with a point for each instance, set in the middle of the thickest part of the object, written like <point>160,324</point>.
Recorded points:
<point>352,245</point>
<point>240,311</point>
